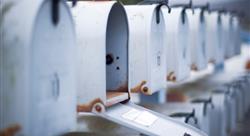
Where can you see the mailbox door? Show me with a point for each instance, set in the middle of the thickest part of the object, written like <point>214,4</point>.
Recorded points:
<point>147,122</point>
<point>52,73</point>
<point>157,55</point>
<point>220,46</point>
<point>202,41</point>
<point>184,62</point>
<point>197,40</point>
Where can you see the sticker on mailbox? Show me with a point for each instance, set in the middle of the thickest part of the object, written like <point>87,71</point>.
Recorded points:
<point>144,118</point>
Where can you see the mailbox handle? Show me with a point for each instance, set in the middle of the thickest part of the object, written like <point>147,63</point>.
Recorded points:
<point>74,2</point>
<point>55,11</point>
<point>187,116</point>
<point>206,103</point>
<point>158,8</point>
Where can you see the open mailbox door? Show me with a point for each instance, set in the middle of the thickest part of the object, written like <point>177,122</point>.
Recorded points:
<point>105,92</point>
<point>148,122</point>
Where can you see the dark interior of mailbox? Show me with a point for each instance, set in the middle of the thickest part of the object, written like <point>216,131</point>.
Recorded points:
<point>117,56</point>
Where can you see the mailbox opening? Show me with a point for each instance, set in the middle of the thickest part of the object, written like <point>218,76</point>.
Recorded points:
<point>117,56</point>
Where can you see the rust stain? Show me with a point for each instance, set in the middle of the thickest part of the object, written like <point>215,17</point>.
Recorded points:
<point>122,88</point>
<point>247,67</point>
<point>11,130</point>
<point>89,106</point>
<point>138,87</point>
<point>212,61</point>
<point>171,77</point>
<point>141,88</point>
<point>112,95</point>
<point>194,67</point>
<point>176,97</point>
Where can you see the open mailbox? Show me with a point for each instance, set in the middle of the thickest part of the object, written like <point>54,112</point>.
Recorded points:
<point>147,56</point>
<point>102,48</point>
<point>105,91</point>
<point>197,47</point>
<point>178,55</point>
<point>37,66</point>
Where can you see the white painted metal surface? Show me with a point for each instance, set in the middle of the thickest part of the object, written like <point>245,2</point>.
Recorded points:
<point>197,47</point>
<point>205,113</point>
<point>147,56</point>
<point>214,48</point>
<point>222,109</point>
<point>37,68</point>
<point>177,31</point>
<point>102,31</point>
<point>148,122</point>
<point>226,40</point>
<point>245,86</point>
<point>109,36</point>
<point>225,100</point>
<point>182,112</point>
<point>236,35</point>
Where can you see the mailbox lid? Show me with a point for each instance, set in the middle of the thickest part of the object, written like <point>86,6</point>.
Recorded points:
<point>147,121</point>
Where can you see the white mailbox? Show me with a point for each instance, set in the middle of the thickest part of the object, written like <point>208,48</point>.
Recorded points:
<point>206,115</point>
<point>197,40</point>
<point>225,100</point>
<point>177,41</point>
<point>147,56</point>
<point>227,32</point>
<point>221,106</point>
<point>245,84</point>
<point>102,44</point>
<point>236,35</point>
<point>102,32</point>
<point>37,67</point>
<point>214,48</point>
